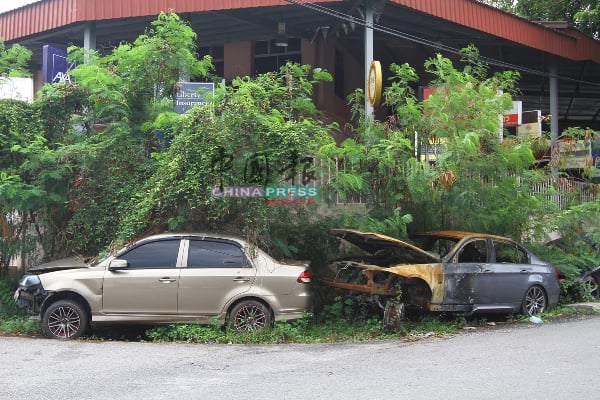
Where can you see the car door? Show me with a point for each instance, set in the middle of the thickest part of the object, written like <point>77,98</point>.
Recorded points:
<point>148,285</point>
<point>468,274</point>
<point>511,273</point>
<point>215,272</point>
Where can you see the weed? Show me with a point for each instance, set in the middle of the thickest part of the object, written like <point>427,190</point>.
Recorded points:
<point>7,289</point>
<point>19,325</point>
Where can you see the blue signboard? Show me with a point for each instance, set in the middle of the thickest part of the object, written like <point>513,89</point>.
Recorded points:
<point>55,67</point>
<point>191,94</point>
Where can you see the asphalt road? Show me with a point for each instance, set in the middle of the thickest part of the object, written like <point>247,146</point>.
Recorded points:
<point>559,359</point>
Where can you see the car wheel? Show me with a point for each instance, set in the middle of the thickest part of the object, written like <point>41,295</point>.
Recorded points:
<point>591,287</point>
<point>65,319</point>
<point>250,315</point>
<point>534,301</point>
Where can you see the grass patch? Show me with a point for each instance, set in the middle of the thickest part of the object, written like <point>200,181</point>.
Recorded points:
<point>19,325</point>
<point>309,330</point>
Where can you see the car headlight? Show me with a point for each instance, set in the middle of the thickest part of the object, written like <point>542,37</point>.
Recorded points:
<point>30,280</point>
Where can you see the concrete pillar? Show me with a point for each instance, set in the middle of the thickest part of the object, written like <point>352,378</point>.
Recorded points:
<point>89,37</point>
<point>368,53</point>
<point>554,99</point>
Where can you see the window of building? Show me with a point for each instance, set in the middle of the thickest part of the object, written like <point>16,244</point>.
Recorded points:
<point>270,58</point>
<point>218,58</point>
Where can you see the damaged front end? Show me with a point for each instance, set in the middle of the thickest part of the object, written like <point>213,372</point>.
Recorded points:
<point>364,278</point>
<point>390,272</point>
<point>415,286</point>
<point>364,283</point>
<point>30,294</point>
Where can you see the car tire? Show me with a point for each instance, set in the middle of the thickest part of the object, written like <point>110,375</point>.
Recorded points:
<point>591,287</point>
<point>65,319</point>
<point>250,315</point>
<point>534,301</point>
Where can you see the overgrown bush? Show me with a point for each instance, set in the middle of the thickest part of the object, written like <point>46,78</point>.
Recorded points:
<point>7,289</point>
<point>576,248</point>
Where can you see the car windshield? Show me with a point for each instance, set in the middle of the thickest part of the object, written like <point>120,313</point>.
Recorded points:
<point>385,256</point>
<point>434,244</point>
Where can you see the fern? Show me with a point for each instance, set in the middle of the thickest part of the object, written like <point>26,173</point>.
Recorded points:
<point>7,289</point>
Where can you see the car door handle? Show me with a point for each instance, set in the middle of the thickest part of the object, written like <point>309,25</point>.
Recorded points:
<point>241,279</point>
<point>167,280</point>
<point>525,270</point>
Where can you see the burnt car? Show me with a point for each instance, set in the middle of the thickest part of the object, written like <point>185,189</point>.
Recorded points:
<point>589,277</point>
<point>169,278</point>
<point>591,281</point>
<point>445,271</point>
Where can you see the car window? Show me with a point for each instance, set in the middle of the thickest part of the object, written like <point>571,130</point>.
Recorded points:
<point>441,246</point>
<point>474,251</point>
<point>158,254</point>
<point>510,253</point>
<point>215,254</point>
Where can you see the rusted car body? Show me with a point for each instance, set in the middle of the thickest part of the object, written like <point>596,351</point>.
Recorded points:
<point>446,271</point>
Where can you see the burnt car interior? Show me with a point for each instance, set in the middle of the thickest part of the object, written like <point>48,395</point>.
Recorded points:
<point>475,251</point>
<point>365,263</point>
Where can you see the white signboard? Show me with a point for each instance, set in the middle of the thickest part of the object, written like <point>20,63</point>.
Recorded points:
<point>16,89</point>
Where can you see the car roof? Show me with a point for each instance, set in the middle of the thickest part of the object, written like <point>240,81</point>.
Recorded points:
<point>189,235</point>
<point>458,235</point>
<point>371,241</point>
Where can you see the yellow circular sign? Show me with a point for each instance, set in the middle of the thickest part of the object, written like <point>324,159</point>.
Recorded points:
<point>374,83</point>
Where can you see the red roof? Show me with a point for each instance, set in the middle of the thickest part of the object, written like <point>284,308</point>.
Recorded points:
<point>570,44</point>
<point>51,14</point>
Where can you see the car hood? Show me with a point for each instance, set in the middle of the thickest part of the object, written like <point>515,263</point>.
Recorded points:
<point>372,242</point>
<point>59,265</point>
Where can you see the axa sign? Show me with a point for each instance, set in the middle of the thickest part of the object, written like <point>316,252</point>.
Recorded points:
<point>55,66</point>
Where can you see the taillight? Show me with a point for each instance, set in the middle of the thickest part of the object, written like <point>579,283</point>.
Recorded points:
<point>304,277</point>
<point>556,274</point>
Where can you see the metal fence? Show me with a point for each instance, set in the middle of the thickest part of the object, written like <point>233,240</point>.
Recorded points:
<point>566,191</point>
<point>559,190</point>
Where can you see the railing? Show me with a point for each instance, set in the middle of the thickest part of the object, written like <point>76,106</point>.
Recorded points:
<point>564,191</point>
<point>559,190</point>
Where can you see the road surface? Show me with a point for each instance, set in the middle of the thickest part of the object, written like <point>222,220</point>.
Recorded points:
<point>555,360</point>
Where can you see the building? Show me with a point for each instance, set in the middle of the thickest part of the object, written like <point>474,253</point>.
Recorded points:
<point>560,66</point>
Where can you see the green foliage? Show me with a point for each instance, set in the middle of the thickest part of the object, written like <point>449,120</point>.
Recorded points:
<point>258,132</point>
<point>14,60</point>
<point>472,169</point>
<point>305,330</point>
<point>114,104</point>
<point>7,289</point>
<point>341,308</point>
<point>125,182</point>
<point>20,326</point>
<point>12,320</point>
<point>588,19</point>
<point>22,156</point>
<point>576,250</point>
<point>298,331</point>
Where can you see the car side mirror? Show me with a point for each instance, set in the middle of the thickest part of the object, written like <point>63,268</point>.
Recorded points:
<point>118,265</point>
